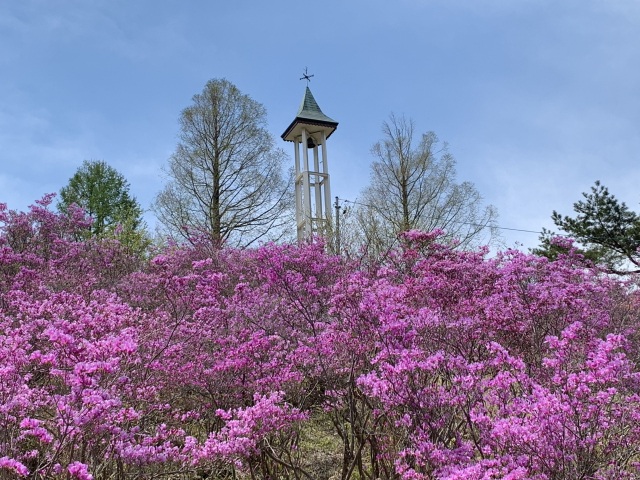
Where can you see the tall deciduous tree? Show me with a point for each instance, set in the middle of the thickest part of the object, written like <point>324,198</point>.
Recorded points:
<point>103,193</point>
<point>226,178</point>
<point>608,230</point>
<point>413,186</point>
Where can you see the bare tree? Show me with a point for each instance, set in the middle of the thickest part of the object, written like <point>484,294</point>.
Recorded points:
<point>226,178</point>
<point>413,186</point>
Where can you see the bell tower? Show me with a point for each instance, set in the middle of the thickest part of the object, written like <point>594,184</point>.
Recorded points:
<point>309,132</point>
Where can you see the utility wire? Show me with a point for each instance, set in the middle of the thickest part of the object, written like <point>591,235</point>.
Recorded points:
<point>459,222</point>
<point>594,240</point>
<point>493,226</point>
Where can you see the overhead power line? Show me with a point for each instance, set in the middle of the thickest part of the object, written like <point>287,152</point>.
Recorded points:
<point>491,226</point>
<point>593,240</point>
<point>460,222</point>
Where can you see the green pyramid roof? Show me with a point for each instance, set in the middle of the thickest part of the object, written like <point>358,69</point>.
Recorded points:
<point>309,113</point>
<point>309,109</point>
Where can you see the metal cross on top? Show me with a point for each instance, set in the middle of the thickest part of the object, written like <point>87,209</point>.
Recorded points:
<point>306,76</point>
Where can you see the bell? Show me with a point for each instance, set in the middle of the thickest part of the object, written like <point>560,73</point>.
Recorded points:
<point>310,142</point>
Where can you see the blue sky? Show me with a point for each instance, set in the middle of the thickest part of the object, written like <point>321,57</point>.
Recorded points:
<point>537,99</point>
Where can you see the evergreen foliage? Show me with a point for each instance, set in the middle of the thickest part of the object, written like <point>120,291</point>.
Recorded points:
<point>608,230</point>
<point>103,193</point>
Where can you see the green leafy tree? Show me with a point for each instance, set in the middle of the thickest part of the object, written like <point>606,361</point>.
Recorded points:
<point>103,193</point>
<point>607,229</point>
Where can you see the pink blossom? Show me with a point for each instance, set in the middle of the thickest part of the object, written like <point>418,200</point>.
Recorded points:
<point>79,470</point>
<point>14,466</point>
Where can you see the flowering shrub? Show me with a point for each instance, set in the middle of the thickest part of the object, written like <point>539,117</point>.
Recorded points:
<point>209,363</point>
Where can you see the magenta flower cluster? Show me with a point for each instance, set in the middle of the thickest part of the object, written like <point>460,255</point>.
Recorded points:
<point>434,364</point>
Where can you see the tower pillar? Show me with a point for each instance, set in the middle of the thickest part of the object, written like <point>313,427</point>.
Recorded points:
<point>309,131</point>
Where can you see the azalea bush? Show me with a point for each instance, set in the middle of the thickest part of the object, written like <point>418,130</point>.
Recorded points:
<point>199,362</point>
